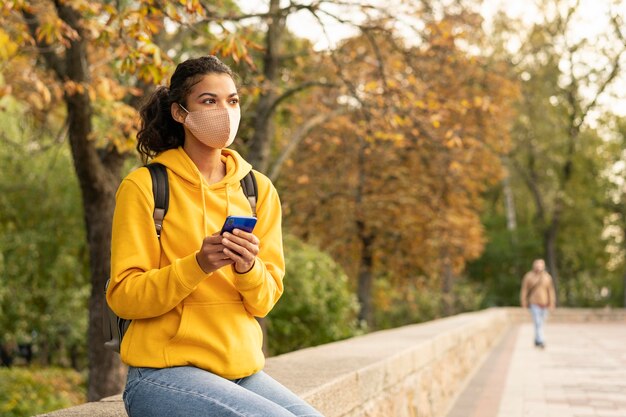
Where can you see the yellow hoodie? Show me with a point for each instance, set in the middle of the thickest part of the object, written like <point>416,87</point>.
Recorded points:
<point>180,315</point>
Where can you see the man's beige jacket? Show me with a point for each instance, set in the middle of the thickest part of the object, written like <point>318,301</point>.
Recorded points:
<point>538,288</point>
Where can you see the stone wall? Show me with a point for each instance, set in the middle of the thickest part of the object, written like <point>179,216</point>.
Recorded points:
<point>412,371</point>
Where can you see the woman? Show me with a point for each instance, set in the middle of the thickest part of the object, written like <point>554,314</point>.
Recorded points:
<point>194,345</point>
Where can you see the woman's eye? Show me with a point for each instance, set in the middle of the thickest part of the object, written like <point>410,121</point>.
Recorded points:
<point>234,101</point>
<point>209,101</point>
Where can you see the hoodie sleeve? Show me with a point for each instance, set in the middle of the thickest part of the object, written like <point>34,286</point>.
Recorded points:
<point>262,286</point>
<point>139,288</point>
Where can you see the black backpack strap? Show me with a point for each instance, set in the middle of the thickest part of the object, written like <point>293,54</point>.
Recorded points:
<point>248,183</point>
<point>115,327</point>
<point>161,192</point>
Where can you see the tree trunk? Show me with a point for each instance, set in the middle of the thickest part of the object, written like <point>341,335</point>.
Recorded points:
<point>550,236</point>
<point>366,262</point>
<point>623,213</point>
<point>511,217</point>
<point>624,288</point>
<point>98,174</point>
<point>106,373</point>
<point>509,204</point>
<point>447,280</point>
<point>98,186</point>
<point>260,144</point>
<point>365,279</point>
<point>44,353</point>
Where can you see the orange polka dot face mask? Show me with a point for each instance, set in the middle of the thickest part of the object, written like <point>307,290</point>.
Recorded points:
<point>215,127</point>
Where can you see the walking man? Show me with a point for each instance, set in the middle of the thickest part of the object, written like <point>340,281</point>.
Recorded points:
<point>538,294</point>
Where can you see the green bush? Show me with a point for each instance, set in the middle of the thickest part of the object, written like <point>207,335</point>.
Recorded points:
<point>317,305</point>
<point>396,306</point>
<point>29,391</point>
<point>590,291</point>
<point>417,301</point>
<point>44,275</point>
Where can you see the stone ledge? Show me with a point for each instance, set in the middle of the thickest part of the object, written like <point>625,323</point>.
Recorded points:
<point>571,315</point>
<point>414,370</point>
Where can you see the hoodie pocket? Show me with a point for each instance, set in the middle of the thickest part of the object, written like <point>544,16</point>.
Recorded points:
<point>181,333</point>
<point>215,336</point>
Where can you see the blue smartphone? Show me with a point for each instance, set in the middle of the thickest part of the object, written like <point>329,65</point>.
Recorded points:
<point>244,223</point>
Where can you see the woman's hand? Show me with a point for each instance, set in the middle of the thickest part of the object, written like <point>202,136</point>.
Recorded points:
<point>211,256</point>
<point>241,248</point>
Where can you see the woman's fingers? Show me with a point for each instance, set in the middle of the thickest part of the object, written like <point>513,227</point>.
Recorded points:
<point>242,248</point>
<point>242,243</point>
<point>211,256</point>
<point>239,247</point>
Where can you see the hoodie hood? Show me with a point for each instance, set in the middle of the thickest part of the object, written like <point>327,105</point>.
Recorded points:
<point>181,164</point>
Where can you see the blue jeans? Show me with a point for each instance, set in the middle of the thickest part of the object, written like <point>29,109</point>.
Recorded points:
<point>192,392</point>
<point>539,317</point>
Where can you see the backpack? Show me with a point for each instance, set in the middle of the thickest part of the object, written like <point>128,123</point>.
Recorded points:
<point>115,327</point>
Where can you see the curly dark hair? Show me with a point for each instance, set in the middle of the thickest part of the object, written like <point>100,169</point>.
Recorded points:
<point>159,131</point>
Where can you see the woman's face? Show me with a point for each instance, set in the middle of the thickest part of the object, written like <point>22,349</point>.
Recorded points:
<point>213,90</point>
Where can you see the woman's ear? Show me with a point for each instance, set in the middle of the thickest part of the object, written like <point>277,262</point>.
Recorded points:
<point>177,113</point>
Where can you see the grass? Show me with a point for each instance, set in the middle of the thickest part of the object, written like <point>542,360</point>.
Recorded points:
<point>29,391</point>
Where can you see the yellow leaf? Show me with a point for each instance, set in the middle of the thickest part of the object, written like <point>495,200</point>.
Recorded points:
<point>454,142</point>
<point>7,47</point>
<point>371,86</point>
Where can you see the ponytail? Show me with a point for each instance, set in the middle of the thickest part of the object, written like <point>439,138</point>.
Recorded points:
<point>159,131</point>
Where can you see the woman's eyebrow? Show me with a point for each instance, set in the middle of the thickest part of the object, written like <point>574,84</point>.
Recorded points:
<point>213,95</point>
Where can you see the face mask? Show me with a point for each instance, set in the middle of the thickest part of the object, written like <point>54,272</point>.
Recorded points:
<point>215,127</point>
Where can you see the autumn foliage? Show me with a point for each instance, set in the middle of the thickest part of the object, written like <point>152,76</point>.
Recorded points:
<point>395,184</point>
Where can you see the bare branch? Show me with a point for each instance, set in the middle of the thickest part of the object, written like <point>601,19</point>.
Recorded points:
<point>292,91</point>
<point>579,118</point>
<point>531,182</point>
<point>612,75</point>
<point>302,133</point>
<point>379,57</point>
<point>351,87</point>
<point>214,14</point>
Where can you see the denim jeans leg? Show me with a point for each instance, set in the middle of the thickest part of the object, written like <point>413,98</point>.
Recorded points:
<point>269,388</point>
<point>539,316</point>
<point>188,391</point>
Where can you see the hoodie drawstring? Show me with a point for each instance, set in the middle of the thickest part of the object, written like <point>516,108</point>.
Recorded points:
<point>204,224</point>
<point>204,214</point>
<point>227,201</point>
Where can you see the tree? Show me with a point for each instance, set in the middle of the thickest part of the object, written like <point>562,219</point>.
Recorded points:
<point>562,88</point>
<point>393,187</point>
<point>615,222</point>
<point>586,264</point>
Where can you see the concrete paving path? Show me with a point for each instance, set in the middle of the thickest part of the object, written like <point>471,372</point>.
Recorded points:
<point>581,373</point>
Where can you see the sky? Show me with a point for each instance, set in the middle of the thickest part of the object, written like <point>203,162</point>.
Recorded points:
<point>590,22</point>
